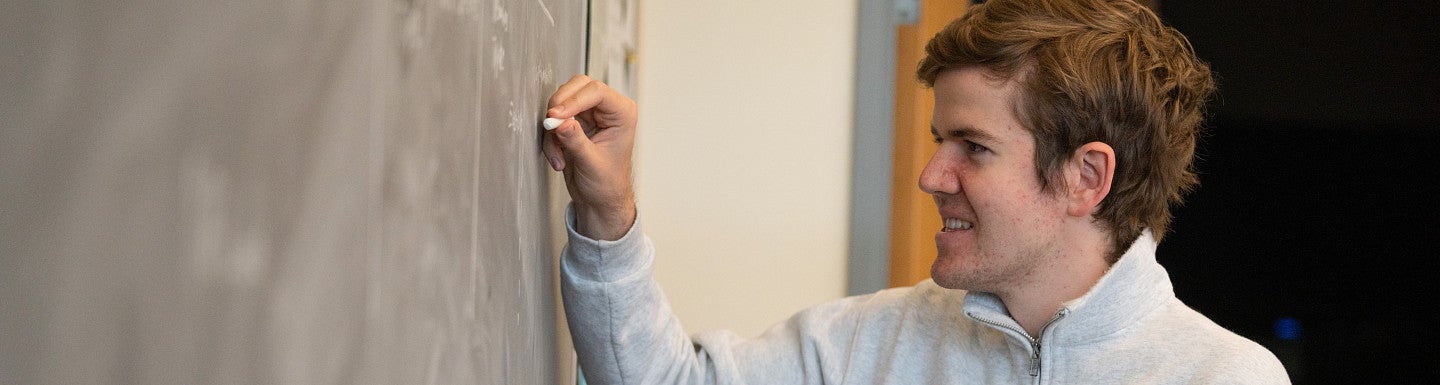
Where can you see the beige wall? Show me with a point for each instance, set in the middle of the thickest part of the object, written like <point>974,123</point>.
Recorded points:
<point>743,155</point>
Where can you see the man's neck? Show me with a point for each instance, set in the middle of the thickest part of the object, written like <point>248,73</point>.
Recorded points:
<point>1034,303</point>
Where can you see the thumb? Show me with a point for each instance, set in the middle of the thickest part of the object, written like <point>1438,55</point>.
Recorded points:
<point>576,144</point>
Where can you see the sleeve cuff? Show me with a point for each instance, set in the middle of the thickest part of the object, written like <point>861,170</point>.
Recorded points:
<point>605,261</point>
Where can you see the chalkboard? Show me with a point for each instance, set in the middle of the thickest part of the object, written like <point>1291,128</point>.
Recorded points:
<point>279,191</point>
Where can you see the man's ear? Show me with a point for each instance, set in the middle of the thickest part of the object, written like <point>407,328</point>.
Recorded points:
<point>1091,169</point>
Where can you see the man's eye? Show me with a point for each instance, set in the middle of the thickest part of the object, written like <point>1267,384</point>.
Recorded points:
<point>976,148</point>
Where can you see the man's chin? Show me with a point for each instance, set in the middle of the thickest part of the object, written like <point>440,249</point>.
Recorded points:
<point>948,277</point>
<point>954,273</point>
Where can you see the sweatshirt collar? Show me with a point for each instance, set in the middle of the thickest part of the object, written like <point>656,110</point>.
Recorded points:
<point>1133,287</point>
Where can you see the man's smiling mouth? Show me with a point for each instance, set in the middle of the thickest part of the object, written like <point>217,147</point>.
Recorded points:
<point>952,224</point>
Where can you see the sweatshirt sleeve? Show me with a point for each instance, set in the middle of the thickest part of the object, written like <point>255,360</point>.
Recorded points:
<point>622,326</point>
<point>625,332</point>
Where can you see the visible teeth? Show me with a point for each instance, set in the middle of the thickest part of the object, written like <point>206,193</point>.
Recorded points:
<point>956,224</point>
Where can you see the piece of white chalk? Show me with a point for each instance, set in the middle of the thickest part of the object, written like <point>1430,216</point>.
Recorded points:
<point>552,123</point>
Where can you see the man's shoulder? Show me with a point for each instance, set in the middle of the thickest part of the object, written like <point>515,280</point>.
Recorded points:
<point>1184,325</point>
<point>1219,351</point>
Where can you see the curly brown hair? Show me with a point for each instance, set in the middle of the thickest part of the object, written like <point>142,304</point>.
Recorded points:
<point>1093,71</point>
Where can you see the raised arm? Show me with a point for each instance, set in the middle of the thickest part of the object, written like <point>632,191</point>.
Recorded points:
<point>623,328</point>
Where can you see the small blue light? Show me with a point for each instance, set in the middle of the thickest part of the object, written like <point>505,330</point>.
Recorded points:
<point>1287,328</point>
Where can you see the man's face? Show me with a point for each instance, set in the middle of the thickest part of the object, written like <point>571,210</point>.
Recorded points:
<point>1000,225</point>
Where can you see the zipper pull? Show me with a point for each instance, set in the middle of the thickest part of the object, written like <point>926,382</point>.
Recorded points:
<point>1035,343</point>
<point>1035,358</point>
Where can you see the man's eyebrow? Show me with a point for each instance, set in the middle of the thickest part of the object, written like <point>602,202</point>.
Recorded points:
<point>964,132</point>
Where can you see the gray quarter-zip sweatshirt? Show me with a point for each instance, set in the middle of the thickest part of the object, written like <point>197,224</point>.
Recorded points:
<point>1128,329</point>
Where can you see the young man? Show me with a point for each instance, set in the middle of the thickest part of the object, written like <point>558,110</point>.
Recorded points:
<point>1065,129</point>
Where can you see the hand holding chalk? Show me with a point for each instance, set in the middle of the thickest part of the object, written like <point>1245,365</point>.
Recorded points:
<point>594,154</point>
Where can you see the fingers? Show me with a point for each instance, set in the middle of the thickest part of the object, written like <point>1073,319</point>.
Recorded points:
<point>582,93</point>
<point>554,154</point>
<point>567,90</point>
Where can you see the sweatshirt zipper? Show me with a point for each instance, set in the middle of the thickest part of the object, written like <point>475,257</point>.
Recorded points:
<point>1034,341</point>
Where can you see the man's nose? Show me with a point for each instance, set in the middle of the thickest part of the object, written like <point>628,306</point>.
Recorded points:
<point>937,177</point>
